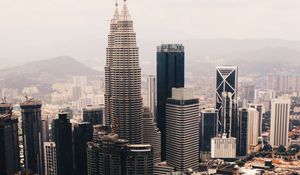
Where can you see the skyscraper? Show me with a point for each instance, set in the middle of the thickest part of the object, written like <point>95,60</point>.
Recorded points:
<point>83,133</point>
<point>93,114</point>
<point>123,100</point>
<point>63,141</point>
<point>32,135</point>
<point>170,74</point>
<point>9,144</point>
<point>50,158</point>
<point>280,116</point>
<point>151,134</point>
<point>247,140</point>
<point>208,130</point>
<point>182,129</point>
<point>111,155</point>
<point>261,110</point>
<point>139,159</point>
<point>151,95</point>
<point>226,89</point>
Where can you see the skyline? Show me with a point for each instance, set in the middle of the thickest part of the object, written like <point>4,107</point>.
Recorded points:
<point>41,30</point>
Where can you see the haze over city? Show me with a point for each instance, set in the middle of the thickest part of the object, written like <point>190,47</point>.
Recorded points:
<point>35,30</point>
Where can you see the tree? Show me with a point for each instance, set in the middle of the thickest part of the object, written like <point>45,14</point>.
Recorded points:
<point>295,148</point>
<point>239,163</point>
<point>281,149</point>
<point>267,148</point>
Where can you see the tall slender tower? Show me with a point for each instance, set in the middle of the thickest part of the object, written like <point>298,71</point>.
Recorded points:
<point>151,92</point>
<point>226,93</point>
<point>123,100</point>
<point>32,135</point>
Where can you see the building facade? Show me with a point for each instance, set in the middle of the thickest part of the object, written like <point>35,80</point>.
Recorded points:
<point>151,134</point>
<point>123,100</point>
<point>151,95</point>
<point>280,114</point>
<point>93,114</point>
<point>170,74</point>
<point>50,158</point>
<point>64,145</point>
<point>32,135</point>
<point>208,130</point>
<point>83,133</point>
<point>226,92</point>
<point>182,129</point>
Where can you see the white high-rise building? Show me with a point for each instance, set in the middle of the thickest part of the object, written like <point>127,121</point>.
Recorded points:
<point>223,147</point>
<point>280,114</point>
<point>182,129</point>
<point>50,158</point>
<point>252,131</point>
<point>151,94</point>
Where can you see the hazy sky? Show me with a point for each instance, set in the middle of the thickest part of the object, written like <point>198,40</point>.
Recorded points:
<point>39,29</point>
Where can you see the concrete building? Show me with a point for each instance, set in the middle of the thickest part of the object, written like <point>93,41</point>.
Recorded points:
<point>151,95</point>
<point>50,158</point>
<point>123,99</point>
<point>93,114</point>
<point>223,147</point>
<point>151,134</point>
<point>261,110</point>
<point>280,113</point>
<point>182,129</point>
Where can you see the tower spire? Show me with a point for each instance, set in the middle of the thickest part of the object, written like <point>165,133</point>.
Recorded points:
<point>125,16</point>
<point>116,13</point>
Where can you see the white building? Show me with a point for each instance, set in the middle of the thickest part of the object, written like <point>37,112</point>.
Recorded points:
<point>280,113</point>
<point>50,158</point>
<point>223,147</point>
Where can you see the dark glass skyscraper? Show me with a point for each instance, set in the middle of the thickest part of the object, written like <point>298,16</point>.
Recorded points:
<point>170,73</point>
<point>242,132</point>
<point>83,133</point>
<point>208,126</point>
<point>93,114</point>
<point>63,141</point>
<point>9,143</point>
<point>226,99</point>
<point>32,135</point>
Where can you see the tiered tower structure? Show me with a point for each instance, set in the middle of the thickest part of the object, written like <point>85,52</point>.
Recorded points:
<point>123,100</point>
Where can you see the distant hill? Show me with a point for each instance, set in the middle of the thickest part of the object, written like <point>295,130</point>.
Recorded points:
<point>45,72</point>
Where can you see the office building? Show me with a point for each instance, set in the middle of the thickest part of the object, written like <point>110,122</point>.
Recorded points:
<point>162,168</point>
<point>9,143</point>
<point>261,110</point>
<point>83,133</point>
<point>68,111</point>
<point>45,130</point>
<point>32,135</point>
<point>170,74</point>
<point>208,130</point>
<point>50,158</point>
<point>280,116</point>
<point>182,129</point>
<point>114,156</point>
<point>64,146</point>
<point>226,89</point>
<point>139,159</point>
<point>223,147</point>
<point>123,100</point>
<point>151,134</point>
<point>247,140</point>
<point>93,114</point>
<point>151,95</point>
